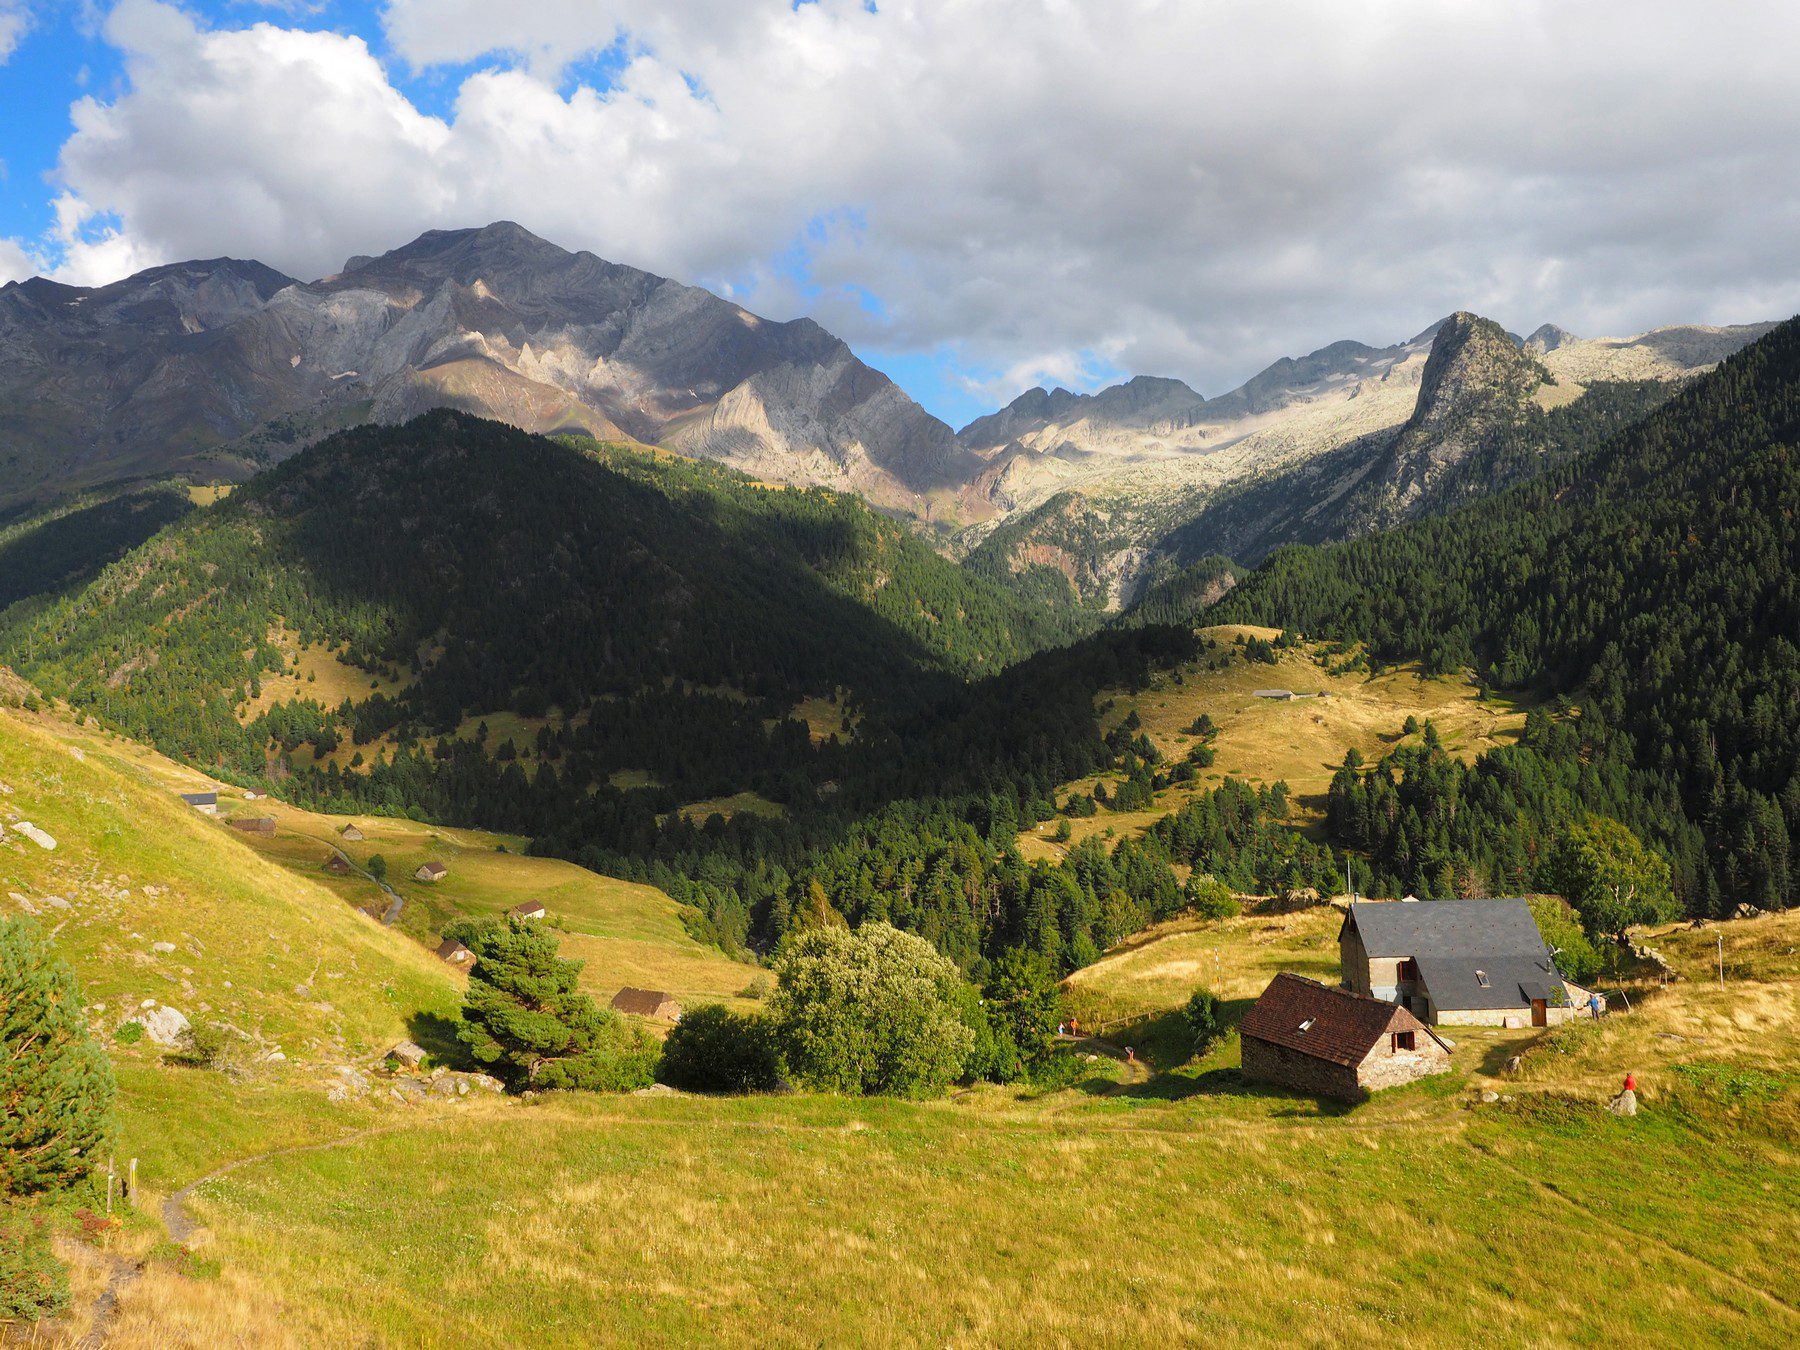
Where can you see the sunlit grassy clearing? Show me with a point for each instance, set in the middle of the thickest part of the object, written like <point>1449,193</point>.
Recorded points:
<point>786,1221</point>
<point>1265,740</point>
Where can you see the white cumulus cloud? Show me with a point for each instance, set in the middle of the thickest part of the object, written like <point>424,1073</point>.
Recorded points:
<point>1186,187</point>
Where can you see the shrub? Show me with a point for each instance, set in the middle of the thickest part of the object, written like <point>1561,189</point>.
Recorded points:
<point>33,1283</point>
<point>758,988</point>
<point>56,1086</point>
<point>713,1049</point>
<point>524,1017</point>
<point>378,866</point>
<point>1211,898</point>
<point>1205,1018</point>
<point>869,1012</point>
<point>207,1045</point>
<point>130,1033</point>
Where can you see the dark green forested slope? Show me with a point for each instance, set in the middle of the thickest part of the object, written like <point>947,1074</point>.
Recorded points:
<point>62,546</point>
<point>507,573</point>
<point>1657,580</point>
<point>537,574</point>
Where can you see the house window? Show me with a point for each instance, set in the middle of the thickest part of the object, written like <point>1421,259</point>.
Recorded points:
<point>1482,979</point>
<point>1403,1040</point>
<point>1409,970</point>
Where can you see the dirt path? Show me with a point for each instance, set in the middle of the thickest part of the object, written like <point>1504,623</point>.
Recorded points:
<point>1136,1071</point>
<point>181,1226</point>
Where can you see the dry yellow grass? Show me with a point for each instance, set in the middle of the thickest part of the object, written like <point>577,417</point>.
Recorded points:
<point>1264,741</point>
<point>317,673</point>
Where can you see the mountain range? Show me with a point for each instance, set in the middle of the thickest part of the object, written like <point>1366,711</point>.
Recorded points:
<point>216,369</point>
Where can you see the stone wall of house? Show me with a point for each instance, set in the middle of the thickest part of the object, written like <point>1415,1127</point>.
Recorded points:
<point>1386,1067</point>
<point>1268,1063</point>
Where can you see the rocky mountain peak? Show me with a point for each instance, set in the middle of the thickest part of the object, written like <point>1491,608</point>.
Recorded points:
<point>1472,362</point>
<point>1547,338</point>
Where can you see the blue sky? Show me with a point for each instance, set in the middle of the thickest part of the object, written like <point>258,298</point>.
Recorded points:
<point>978,195</point>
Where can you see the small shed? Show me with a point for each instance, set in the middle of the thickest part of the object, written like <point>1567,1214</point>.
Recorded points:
<point>647,1003</point>
<point>1334,1043</point>
<point>431,871</point>
<point>351,834</point>
<point>455,953</point>
<point>207,803</point>
<point>337,865</point>
<point>254,824</point>
<point>527,911</point>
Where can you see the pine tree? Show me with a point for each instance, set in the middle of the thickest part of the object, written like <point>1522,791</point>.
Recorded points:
<point>525,1017</point>
<point>56,1086</point>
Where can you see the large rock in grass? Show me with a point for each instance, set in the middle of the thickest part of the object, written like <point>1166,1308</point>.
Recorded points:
<point>164,1025</point>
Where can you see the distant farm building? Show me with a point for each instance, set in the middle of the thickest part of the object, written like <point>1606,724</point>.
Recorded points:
<point>647,1003</point>
<point>431,871</point>
<point>337,865</point>
<point>207,803</point>
<point>455,953</point>
<point>1330,1042</point>
<point>255,824</point>
<point>1457,962</point>
<point>530,909</point>
<point>1285,695</point>
<point>351,834</point>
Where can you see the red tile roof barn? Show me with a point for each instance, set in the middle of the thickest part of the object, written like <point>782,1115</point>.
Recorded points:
<point>1329,1024</point>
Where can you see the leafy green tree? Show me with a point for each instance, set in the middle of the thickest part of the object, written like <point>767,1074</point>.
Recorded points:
<point>1209,897</point>
<point>1024,996</point>
<point>713,1049</point>
<point>525,1017</point>
<point>1205,1017</point>
<point>1612,878</point>
<point>869,1012</point>
<point>1576,956</point>
<point>56,1085</point>
<point>378,866</point>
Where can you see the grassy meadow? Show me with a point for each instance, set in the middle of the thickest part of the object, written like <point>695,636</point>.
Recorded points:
<point>1166,1201</point>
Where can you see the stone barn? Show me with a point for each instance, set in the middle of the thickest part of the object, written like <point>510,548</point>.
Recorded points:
<point>647,1003</point>
<point>1333,1043</point>
<point>431,871</point>
<point>454,953</point>
<point>528,911</point>
<point>254,824</point>
<point>1456,962</point>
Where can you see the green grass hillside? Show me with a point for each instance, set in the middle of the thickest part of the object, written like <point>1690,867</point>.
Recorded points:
<point>1185,1205</point>
<point>278,956</point>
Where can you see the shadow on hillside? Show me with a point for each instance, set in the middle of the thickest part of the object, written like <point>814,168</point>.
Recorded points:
<point>436,1036</point>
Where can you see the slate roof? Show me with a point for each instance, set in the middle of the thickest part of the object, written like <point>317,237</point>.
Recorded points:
<point>452,950</point>
<point>526,909</point>
<point>201,798</point>
<point>1344,1026</point>
<point>1512,981</point>
<point>1457,928</point>
<point>640,1002</point>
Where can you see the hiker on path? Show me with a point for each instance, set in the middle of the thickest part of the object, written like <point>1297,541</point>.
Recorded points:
<point>1594,1005</point>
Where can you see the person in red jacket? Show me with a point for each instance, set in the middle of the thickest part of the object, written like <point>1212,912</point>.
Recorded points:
<point>1630,1083</point>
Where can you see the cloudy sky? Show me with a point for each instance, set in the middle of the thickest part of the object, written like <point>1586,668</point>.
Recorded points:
<point>980,195</point>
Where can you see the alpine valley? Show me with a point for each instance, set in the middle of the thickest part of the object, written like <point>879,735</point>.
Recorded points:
<point>539,807</point>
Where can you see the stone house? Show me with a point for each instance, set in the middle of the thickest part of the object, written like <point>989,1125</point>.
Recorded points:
<point>647,1003</point>
<point>431,871</point>
<point>206,803</point>
<point>527,911</point>
<point>254,824</point>
<point>453,952</point>
<point>352,834</point>
<point>337,865</point>
<point>1334,1043</point>
<point>1456,962</point>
